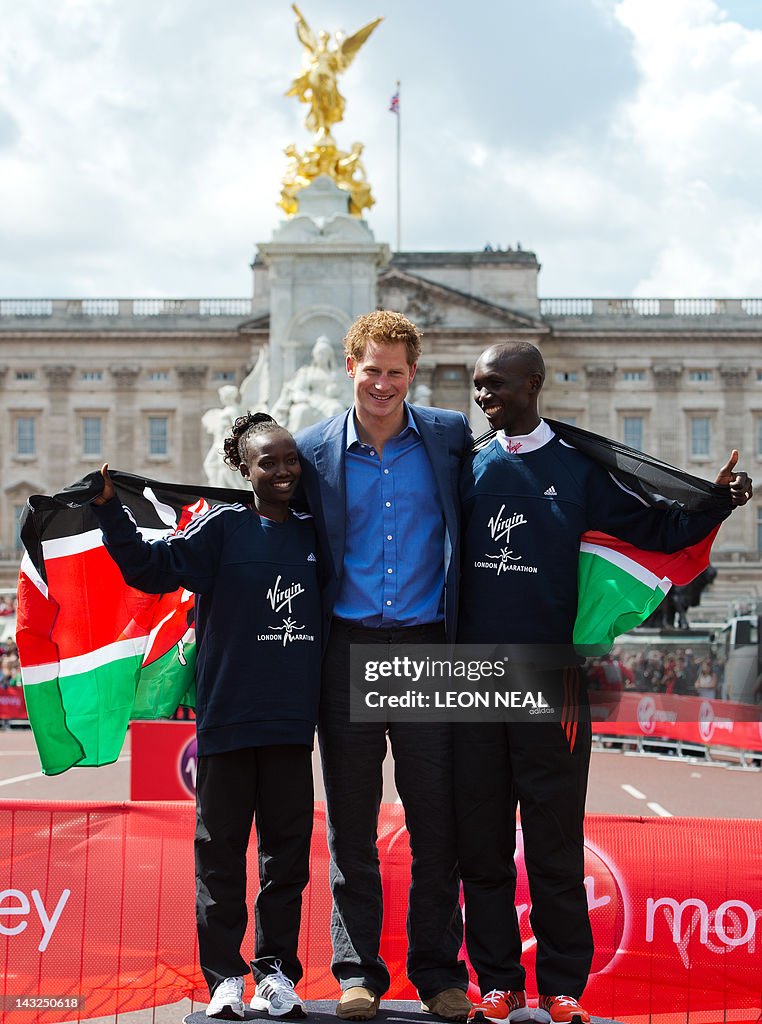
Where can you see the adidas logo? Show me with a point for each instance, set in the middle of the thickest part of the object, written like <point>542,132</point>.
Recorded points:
<point>311,557</point>
<point>551,492</point>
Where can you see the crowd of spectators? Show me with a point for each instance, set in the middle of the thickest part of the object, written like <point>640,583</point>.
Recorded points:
<point>10,669</point>
<point>676,671</point>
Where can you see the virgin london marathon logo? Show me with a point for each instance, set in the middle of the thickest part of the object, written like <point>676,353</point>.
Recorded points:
<point>280,597</point>
<point>500,527</point>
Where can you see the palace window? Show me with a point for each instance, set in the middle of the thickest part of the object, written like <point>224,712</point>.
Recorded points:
<point>92,435</point>
<point>158,435</point>
<point>566,376</point>
<point>26,442</point>
<point>155,375</point>
<point>633,431</point>
<point>700,376</point>
<point>92,375</point>
<point>634,375</point>
<point>26,375</point>
<point>221,376</point>
<point>701,436</point>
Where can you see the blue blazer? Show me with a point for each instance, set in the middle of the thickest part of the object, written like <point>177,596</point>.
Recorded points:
<point>447,439</point>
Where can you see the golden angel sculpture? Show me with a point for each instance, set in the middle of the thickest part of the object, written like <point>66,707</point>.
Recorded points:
<point>346,169</point>
<point>323,65</point>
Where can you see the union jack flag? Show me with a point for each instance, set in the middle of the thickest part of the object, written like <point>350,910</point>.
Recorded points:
<point>394,103</point>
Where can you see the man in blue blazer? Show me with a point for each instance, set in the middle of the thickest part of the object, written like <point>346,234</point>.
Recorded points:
<point>382,485</point>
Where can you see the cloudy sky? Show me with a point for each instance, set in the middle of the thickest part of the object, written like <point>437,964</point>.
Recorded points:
<point>621,140</point>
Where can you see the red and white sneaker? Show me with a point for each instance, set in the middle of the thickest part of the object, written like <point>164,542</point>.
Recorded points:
<point>561,1010</point>
<point>501,1007</point>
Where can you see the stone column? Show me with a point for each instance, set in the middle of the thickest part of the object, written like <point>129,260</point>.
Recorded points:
<point>123,436</point>
<point>192,435</point>
<point>600,377</point>
<point>6,447</point>
<point>738,531</point>
<point>322,267</point>
<point>56,453</point>
<point>5,439</point>
<point>669,426</point>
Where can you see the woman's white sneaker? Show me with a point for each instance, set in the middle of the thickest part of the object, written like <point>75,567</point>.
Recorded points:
<point>227,1000</point>
<point>276,994</point>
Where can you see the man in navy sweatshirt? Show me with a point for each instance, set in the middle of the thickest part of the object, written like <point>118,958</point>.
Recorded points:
<point>527,499</point>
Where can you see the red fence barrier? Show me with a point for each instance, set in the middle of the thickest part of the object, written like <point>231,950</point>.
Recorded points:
<point>673,717</point>
<point>96,903</point>
<point>12,703</point>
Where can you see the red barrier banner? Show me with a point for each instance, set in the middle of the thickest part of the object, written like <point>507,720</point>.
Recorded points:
<point>163,760</point>
<point>96,905</point>
<point>669,716</point>
<point>12,704</point>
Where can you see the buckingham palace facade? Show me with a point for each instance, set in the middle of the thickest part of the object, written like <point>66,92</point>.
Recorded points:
<point>128,380</point>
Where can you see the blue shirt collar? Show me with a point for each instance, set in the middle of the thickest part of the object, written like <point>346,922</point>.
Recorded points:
<point>352,429</point>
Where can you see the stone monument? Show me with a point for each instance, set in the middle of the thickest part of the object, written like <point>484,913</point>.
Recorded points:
<point>321,388</point>
<point>319,270</point>
<point>322,261</point>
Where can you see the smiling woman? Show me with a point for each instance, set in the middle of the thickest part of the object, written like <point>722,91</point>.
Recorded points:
<point>265,454</point>
<point>252,569</point>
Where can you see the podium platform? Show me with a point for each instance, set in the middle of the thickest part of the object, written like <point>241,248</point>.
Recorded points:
<point>391,1012</point>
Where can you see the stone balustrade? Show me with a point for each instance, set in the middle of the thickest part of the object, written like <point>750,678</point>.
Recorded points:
<point>123,308</point>
<point>697,307</point>
<point>232,307</point>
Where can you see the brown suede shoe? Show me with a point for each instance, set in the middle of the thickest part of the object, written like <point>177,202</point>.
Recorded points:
<point>358,1004</point>
<point>452,1004</point>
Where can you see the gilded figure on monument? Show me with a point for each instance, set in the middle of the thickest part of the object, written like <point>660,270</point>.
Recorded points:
<point>317,85</point>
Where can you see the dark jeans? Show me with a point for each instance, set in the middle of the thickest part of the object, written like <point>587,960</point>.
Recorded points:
<point>544,767</point>
<point>353,754</point>
<point>273,784</point>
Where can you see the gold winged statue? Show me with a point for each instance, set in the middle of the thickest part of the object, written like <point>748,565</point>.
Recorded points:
<point>317,83</point>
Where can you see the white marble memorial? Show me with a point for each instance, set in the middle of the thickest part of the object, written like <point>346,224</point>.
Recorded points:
<point>322,266</point>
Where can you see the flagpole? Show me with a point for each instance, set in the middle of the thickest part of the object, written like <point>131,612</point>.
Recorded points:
<point>399,118</point>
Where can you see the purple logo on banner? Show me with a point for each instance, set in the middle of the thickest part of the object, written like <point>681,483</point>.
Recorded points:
<point>188,763</point>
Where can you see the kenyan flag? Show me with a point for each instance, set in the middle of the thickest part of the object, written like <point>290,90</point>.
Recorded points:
<point>620,585</point>
<point>94,652</point>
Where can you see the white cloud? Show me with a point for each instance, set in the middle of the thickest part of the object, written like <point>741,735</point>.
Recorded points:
<point>141,143</point>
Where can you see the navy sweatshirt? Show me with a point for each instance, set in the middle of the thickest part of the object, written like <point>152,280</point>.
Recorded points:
<point>523,517</point>
<point>257,617</point>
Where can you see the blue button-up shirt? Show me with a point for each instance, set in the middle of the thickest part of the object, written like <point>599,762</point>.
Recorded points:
<point>394,549</point>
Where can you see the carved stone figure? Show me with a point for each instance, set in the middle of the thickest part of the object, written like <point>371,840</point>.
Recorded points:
<point>218,422</point>
<point>319,389</point>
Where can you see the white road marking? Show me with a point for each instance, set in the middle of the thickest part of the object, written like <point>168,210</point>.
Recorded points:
<point>20,778</point>
<point>659,810</point>
<point>632,791</point>
<point>39,775</point>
